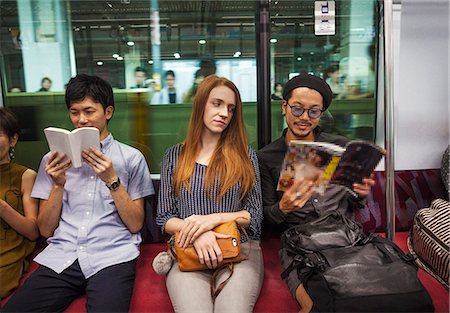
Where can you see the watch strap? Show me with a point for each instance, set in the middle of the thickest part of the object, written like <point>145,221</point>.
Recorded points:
<point>114,185</point>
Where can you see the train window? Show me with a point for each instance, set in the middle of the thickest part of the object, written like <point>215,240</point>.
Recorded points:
<point>154,54</point>
<point>336,40</point>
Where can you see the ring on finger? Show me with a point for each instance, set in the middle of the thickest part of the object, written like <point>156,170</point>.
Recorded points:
<point>298,194</point>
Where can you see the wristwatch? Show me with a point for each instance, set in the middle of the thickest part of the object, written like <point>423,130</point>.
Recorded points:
<point>114,185</point>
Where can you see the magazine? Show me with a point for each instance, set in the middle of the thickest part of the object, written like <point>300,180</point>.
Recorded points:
<point>71,143</point>
<point>326,163</point>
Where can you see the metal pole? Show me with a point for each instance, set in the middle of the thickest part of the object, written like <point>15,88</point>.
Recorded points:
<point>2,79</point>
<point>155,37</point>
<point>389,119</point>
<point>1,94</point>
<point>263,72</point>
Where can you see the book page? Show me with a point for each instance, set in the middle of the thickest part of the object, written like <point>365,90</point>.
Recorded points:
<point>314,161</point>
<point>83,138</point>
<point>57,139</point>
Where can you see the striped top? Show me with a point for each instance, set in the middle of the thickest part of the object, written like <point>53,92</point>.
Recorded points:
<point>198,201</point>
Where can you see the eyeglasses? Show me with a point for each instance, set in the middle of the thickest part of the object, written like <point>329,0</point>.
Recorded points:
<point>298,111</point>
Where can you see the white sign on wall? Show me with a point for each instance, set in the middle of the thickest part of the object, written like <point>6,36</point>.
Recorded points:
<point>325,18</point>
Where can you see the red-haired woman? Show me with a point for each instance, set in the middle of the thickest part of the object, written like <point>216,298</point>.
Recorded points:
<point>211,178</point>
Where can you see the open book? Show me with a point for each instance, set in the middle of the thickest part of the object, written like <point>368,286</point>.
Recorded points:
<point>71,143</point>
<point>326,163</point>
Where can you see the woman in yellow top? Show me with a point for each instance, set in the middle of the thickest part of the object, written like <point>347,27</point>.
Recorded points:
<point>18,211</point>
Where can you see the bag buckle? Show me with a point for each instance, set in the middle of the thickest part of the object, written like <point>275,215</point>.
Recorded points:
<point>316,261</point>
<point>408,257</point>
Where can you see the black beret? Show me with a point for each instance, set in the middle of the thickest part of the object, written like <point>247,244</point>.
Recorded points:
<point>313,82</point>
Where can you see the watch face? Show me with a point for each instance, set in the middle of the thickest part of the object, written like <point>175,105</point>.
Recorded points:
<point>115,185</point>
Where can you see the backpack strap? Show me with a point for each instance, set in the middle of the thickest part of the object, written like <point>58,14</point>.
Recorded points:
<point>380,242</point>
<point>305,264</point>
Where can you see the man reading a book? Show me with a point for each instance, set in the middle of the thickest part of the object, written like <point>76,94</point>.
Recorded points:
<point>91,215</point>
<point>305,98</point>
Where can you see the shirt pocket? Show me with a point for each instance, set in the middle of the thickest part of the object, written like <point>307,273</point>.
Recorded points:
<point>105,192</point>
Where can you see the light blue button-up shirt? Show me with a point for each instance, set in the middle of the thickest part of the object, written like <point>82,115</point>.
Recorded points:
<point>90,228</point>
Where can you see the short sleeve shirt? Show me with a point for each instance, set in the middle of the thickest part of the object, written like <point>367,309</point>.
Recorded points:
<point>90,228</point>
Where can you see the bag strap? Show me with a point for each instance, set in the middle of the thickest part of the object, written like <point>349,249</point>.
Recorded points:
<point>170,245</point>
<point>297,262</point>
<point>248,240</point>
<point>305,265</point>
<point>215,292</point>
<point>406,257</point>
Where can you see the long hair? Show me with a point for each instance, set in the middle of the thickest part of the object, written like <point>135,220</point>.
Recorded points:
<point>230,162</point>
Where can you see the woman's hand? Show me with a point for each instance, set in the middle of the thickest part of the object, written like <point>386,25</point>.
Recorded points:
<point>195,225</point>
<point>364,188</point>
<point>295,197</point>
<point>56,168</point>
<point>208,250</point>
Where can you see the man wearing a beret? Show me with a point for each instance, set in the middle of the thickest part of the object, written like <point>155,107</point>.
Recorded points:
<point>305,98</point>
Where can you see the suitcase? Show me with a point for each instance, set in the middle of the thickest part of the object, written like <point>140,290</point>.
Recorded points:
<point>429,240</point>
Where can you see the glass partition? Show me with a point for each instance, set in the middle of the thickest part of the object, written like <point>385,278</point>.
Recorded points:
<point>336,40</point>
<point>155,53</point>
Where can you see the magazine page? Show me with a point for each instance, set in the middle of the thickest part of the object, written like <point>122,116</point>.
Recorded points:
<point>358,161</point>
<point>314,161</point>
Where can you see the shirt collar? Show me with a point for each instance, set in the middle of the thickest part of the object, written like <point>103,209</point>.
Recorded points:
<point>105,143</point>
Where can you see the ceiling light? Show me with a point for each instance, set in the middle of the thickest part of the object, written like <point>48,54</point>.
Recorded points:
<point>177,55</point>
<point>273,40</point>
<point>119,58</point>
<point>299,58</point>
<point>99,63</point>
<point>150,61</point>
<point>237,54</point>
<point>202,41</point>
<point>130,43</point>
<point>115,55</point>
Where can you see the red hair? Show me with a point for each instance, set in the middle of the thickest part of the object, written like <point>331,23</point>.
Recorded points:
<point>230,162</point>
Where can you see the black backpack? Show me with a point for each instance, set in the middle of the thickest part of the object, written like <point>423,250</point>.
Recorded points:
<point>344,270</point>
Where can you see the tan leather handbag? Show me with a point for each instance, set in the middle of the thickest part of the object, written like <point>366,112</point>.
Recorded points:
<point>231,247</point>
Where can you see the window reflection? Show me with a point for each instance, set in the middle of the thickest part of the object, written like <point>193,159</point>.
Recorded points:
<point>346,60</point>
<point>189,40</point>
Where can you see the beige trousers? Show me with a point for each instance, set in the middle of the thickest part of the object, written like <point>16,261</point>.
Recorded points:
<point>190,291</point>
